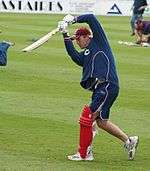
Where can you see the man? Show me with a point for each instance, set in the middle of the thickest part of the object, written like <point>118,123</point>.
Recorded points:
<point>138,10</point>
<point>3,52</point>
<point>99,76</point>
<point>142,31</point>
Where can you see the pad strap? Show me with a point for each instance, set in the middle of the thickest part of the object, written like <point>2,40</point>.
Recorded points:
<point>85,121</point>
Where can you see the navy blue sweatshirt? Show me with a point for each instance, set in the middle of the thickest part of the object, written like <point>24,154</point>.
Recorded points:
<point>97,59</point>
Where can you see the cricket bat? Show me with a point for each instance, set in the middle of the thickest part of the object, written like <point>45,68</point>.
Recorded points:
<point>40,42</point>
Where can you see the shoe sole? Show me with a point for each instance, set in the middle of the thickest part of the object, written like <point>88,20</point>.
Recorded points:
<point>80,159</point>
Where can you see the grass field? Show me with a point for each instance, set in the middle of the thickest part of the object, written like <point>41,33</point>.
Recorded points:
<point>40,100</point>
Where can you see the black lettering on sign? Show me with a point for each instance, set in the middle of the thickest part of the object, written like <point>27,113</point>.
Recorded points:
<point>19,5</point>
<point>29,5</point>
<point>12,5</point>
<point>50,6</point>
<point>4,5</point>
<point>36,5</point>
<point>59,5</point>
<point>41,6</point>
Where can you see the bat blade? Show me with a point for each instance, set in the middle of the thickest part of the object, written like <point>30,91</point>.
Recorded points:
<point>40,42</point>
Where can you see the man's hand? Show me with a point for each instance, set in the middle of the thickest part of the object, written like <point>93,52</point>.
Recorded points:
<point>63,26</point>
<point>70,19</point>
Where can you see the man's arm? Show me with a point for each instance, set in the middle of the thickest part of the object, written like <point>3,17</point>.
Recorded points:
<point>95,26</point>
<point>138,35</point>
<point>143,5</point>
<point>97,30</point>
<point>72,52</point>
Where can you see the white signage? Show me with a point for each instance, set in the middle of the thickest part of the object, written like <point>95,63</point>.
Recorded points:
<point>98,7</point>
<point>48,6</point>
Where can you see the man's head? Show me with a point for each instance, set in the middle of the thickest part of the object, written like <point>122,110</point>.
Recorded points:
<point>82,36</point>
<point>139,25</point>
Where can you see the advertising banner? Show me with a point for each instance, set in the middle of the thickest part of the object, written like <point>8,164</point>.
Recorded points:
<point>98,7</point>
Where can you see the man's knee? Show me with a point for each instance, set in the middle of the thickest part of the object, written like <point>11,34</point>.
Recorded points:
<point>101,123</point>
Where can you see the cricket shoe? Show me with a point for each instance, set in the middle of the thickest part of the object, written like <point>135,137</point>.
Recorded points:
<point>77,157</point>
<point>131,146</point>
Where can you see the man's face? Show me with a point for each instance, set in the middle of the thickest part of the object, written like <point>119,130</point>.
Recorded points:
<point>139,26</point>
<point>82,41</point>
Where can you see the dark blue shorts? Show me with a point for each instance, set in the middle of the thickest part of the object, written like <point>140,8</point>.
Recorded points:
<point>102,99</point>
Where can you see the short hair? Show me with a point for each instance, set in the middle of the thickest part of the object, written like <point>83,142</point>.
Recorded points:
<point>82,31</point>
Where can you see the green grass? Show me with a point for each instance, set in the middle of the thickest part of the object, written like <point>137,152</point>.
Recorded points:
<point>40,100</point>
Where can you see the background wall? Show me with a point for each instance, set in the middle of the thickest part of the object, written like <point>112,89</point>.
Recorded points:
<point>98,7</point>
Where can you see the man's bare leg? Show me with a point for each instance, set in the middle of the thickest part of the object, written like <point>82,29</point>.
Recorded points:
<point>112,129</point>
<point>130,143</point>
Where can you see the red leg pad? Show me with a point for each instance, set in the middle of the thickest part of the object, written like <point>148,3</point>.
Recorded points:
<point>86,133</point>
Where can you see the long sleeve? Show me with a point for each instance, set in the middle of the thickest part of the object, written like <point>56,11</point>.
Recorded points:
<point>99,63</point>
<point>72,52</point>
